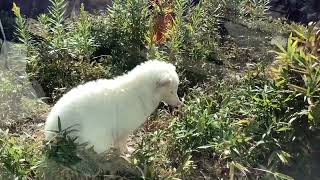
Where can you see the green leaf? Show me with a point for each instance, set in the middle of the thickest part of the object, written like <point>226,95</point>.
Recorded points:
<point>283,156</point>
<point>284,129</point>
<point>59,124</point>
<point>282,176</point>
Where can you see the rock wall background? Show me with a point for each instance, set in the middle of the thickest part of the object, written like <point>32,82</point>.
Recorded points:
<point>302,11</point>
<point>32,8</point>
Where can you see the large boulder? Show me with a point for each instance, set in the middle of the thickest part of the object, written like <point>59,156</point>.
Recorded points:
<point>32,8</point>
<point>302,11</point>
<point>27,7</point>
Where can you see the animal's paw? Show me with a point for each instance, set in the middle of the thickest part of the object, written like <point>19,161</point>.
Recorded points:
<point>130,150</point>
<point>123,148</point>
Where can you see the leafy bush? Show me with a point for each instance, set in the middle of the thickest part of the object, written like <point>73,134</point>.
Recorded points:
<point>190,32</point>
<point>299,71</point>
<point>67,73</point>
<point>19,156</point>
<point>62,148</point>
<point>254,9</point>
<point>121,34</point>
<point>61,56</point>
<point>245,118</point>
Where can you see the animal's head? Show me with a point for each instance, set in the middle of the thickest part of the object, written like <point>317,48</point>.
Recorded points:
<point>167,87</point>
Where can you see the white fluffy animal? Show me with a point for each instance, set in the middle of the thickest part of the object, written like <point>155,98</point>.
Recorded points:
<point>106,111</point>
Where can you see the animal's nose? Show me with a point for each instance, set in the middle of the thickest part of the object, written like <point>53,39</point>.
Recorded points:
<point>179,104</point>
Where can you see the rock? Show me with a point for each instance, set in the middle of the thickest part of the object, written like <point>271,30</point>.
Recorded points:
<point>32,8</point>
<point>302,11</point>
<point>245,36</point>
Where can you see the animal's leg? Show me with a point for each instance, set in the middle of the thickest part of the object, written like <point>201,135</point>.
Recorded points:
<point>99,148</point>
<point>121,143</point>
<point>100,142</point>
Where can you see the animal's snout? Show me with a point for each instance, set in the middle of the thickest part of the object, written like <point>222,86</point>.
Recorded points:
<point>178,104</point>
<point>177,108</point>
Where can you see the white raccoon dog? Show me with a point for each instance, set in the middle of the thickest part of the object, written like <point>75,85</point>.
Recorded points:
<point>106,111</point>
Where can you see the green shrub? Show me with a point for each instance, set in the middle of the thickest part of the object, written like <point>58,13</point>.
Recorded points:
<point>193,35</point>
<point>121,34</point>
<point>62,56</point>
<point>62,148</point>
<point>19,156</point>
<point>253,10</point>
<point>56,73</point>
<point>153,150</point>
<point>242,124</point>
<point>298,71</point>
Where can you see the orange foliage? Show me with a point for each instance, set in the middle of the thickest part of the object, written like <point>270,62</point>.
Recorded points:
<point>163,20</point>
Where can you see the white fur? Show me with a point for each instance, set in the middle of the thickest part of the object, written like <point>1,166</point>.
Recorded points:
<point>106,111</point>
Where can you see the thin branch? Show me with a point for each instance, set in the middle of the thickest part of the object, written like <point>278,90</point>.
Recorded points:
<point>4,48</point>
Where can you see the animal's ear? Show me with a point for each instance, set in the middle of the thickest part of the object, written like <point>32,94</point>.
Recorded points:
<point>164,81</point>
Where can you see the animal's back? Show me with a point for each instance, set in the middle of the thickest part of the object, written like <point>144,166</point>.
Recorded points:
<point>80,107</point>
